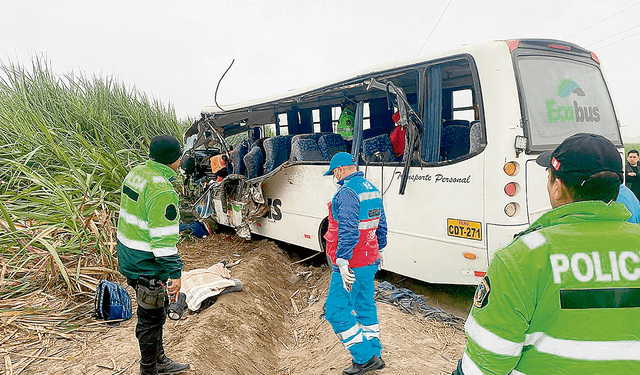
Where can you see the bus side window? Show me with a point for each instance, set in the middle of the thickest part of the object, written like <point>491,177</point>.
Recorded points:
<point>451,127</point>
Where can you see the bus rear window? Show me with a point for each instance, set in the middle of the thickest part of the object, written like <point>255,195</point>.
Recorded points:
<point>563,97</point>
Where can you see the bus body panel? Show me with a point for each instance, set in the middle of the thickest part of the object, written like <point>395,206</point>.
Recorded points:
<point>426,237</point>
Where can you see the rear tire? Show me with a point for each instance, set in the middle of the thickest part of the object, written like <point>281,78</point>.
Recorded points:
<point>322,230</point>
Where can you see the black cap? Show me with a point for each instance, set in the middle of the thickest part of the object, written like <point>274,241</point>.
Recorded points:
<point>164,149</point>
<point>580,156</point>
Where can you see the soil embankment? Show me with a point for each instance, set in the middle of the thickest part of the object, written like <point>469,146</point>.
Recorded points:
<point>275,326</point>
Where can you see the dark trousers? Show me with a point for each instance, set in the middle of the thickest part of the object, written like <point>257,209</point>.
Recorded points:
<point>149,332</point>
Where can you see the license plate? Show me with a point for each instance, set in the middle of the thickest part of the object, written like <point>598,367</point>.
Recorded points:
<point>464,229</point>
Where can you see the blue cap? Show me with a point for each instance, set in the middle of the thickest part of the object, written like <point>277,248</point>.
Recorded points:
<point>341,159</point>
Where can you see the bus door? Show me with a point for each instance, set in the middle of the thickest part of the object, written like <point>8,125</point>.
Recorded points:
<point>436,228</point>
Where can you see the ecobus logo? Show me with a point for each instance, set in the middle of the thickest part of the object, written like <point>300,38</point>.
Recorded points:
<point>570,113</point>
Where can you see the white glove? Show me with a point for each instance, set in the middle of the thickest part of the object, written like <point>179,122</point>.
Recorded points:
<point>381,264</point>
<point>348,277</point>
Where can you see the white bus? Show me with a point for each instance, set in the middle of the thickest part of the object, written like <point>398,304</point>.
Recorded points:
<point>466,181</point>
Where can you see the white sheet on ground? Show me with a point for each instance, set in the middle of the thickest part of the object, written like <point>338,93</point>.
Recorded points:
<point>202,283</point>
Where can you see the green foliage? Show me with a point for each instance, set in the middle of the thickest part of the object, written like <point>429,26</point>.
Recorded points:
<point>236,138</point>
<point>631,146</point>
<point>66,144</point>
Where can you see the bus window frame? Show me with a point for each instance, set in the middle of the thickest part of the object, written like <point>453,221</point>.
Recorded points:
<point>477,100</point>
<point>524,121</point>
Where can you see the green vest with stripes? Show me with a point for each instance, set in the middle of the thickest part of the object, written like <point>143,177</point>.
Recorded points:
<point>148,224</point>
<point>562,298</point>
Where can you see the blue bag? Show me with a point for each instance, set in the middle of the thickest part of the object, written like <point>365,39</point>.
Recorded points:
<point>112,301</point>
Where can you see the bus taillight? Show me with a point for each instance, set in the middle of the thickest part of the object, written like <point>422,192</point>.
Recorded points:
<point>560,47</point>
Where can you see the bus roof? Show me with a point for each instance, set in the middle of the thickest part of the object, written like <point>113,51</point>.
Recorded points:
<point>261,111</point>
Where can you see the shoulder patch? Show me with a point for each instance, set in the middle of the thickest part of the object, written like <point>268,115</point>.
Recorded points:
<point>533,239</point>
<point>171,212</point>
<point>481,298</point>
<point>374,213</point>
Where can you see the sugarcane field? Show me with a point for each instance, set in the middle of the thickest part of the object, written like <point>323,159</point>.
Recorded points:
<point>67,143</point>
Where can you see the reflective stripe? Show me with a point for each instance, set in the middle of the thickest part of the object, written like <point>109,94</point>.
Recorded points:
<point>371,335</point>
<point>357,339</point>
<point>369,195</point>
<point>165,251</point>
<point>143,246</point>
<point>371,328</point>
<point>585,350</point>
<point>133,244</point>
<point>133,220</point>
<point>533,240</point>
<point>158,179</point>
<point>469,367</point>
<point>369,224</point>
<point>490,341</point>
<point>372,331</point>
<point>349,333</point>
<point>164,231</point>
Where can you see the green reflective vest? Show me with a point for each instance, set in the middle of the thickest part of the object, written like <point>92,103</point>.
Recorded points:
<point>562,298</point>
<point>148,224</point>
<point>345,123</point>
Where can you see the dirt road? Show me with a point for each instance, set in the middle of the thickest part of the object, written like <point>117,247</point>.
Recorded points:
<point>275,326</point>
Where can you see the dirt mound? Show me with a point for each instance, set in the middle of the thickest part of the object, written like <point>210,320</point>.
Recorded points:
<point>274,326</point>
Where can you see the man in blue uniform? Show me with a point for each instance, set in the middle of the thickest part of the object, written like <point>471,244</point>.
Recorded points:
<point>355,238</point>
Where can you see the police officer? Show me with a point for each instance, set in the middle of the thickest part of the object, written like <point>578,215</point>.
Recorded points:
<point>148,231</point>
<point>356,235</point>
<point>564,297</point>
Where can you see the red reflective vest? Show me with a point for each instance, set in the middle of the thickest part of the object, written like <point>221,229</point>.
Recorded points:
<point>366,251</point>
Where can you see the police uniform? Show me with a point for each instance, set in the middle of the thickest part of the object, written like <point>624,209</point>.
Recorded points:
<point>148,232</point>
<point>562,298</point>
<point>357,232</point>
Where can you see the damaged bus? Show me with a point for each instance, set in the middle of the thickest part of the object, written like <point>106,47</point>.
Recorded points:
<point>450,140</point>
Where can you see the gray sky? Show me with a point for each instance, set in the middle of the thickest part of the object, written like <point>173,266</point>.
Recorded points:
<point>177,50</point>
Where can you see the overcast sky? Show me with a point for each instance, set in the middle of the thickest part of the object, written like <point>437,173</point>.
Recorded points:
<point>176,51</point>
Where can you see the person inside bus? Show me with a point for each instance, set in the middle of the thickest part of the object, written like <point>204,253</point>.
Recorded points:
<point>356,235</point>
<point>398,136</point>
<point>346,120</point>
<point>219,166</point>
<point>563,297</point>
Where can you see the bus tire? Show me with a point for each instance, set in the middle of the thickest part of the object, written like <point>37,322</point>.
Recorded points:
<point>322,230</point>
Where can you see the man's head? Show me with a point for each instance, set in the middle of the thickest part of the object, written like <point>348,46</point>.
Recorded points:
<point>341,165</point>
<point>165,149</point>
<point>632,157</point>
<point>583,167</point>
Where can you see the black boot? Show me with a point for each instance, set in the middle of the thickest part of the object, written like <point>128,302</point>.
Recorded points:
<point>374,363</point>
<point>167,366</point>
<point>148,368</point>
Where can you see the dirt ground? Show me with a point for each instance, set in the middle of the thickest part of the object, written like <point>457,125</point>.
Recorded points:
<point>275,326</point>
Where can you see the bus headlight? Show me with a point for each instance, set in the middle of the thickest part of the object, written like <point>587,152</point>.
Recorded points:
<point>511,209</point>
<point>520,144</point>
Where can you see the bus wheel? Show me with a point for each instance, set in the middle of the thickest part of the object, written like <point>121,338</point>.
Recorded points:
<point>322,230</point>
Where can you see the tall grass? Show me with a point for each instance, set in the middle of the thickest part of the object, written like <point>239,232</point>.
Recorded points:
<point>66,143</point>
